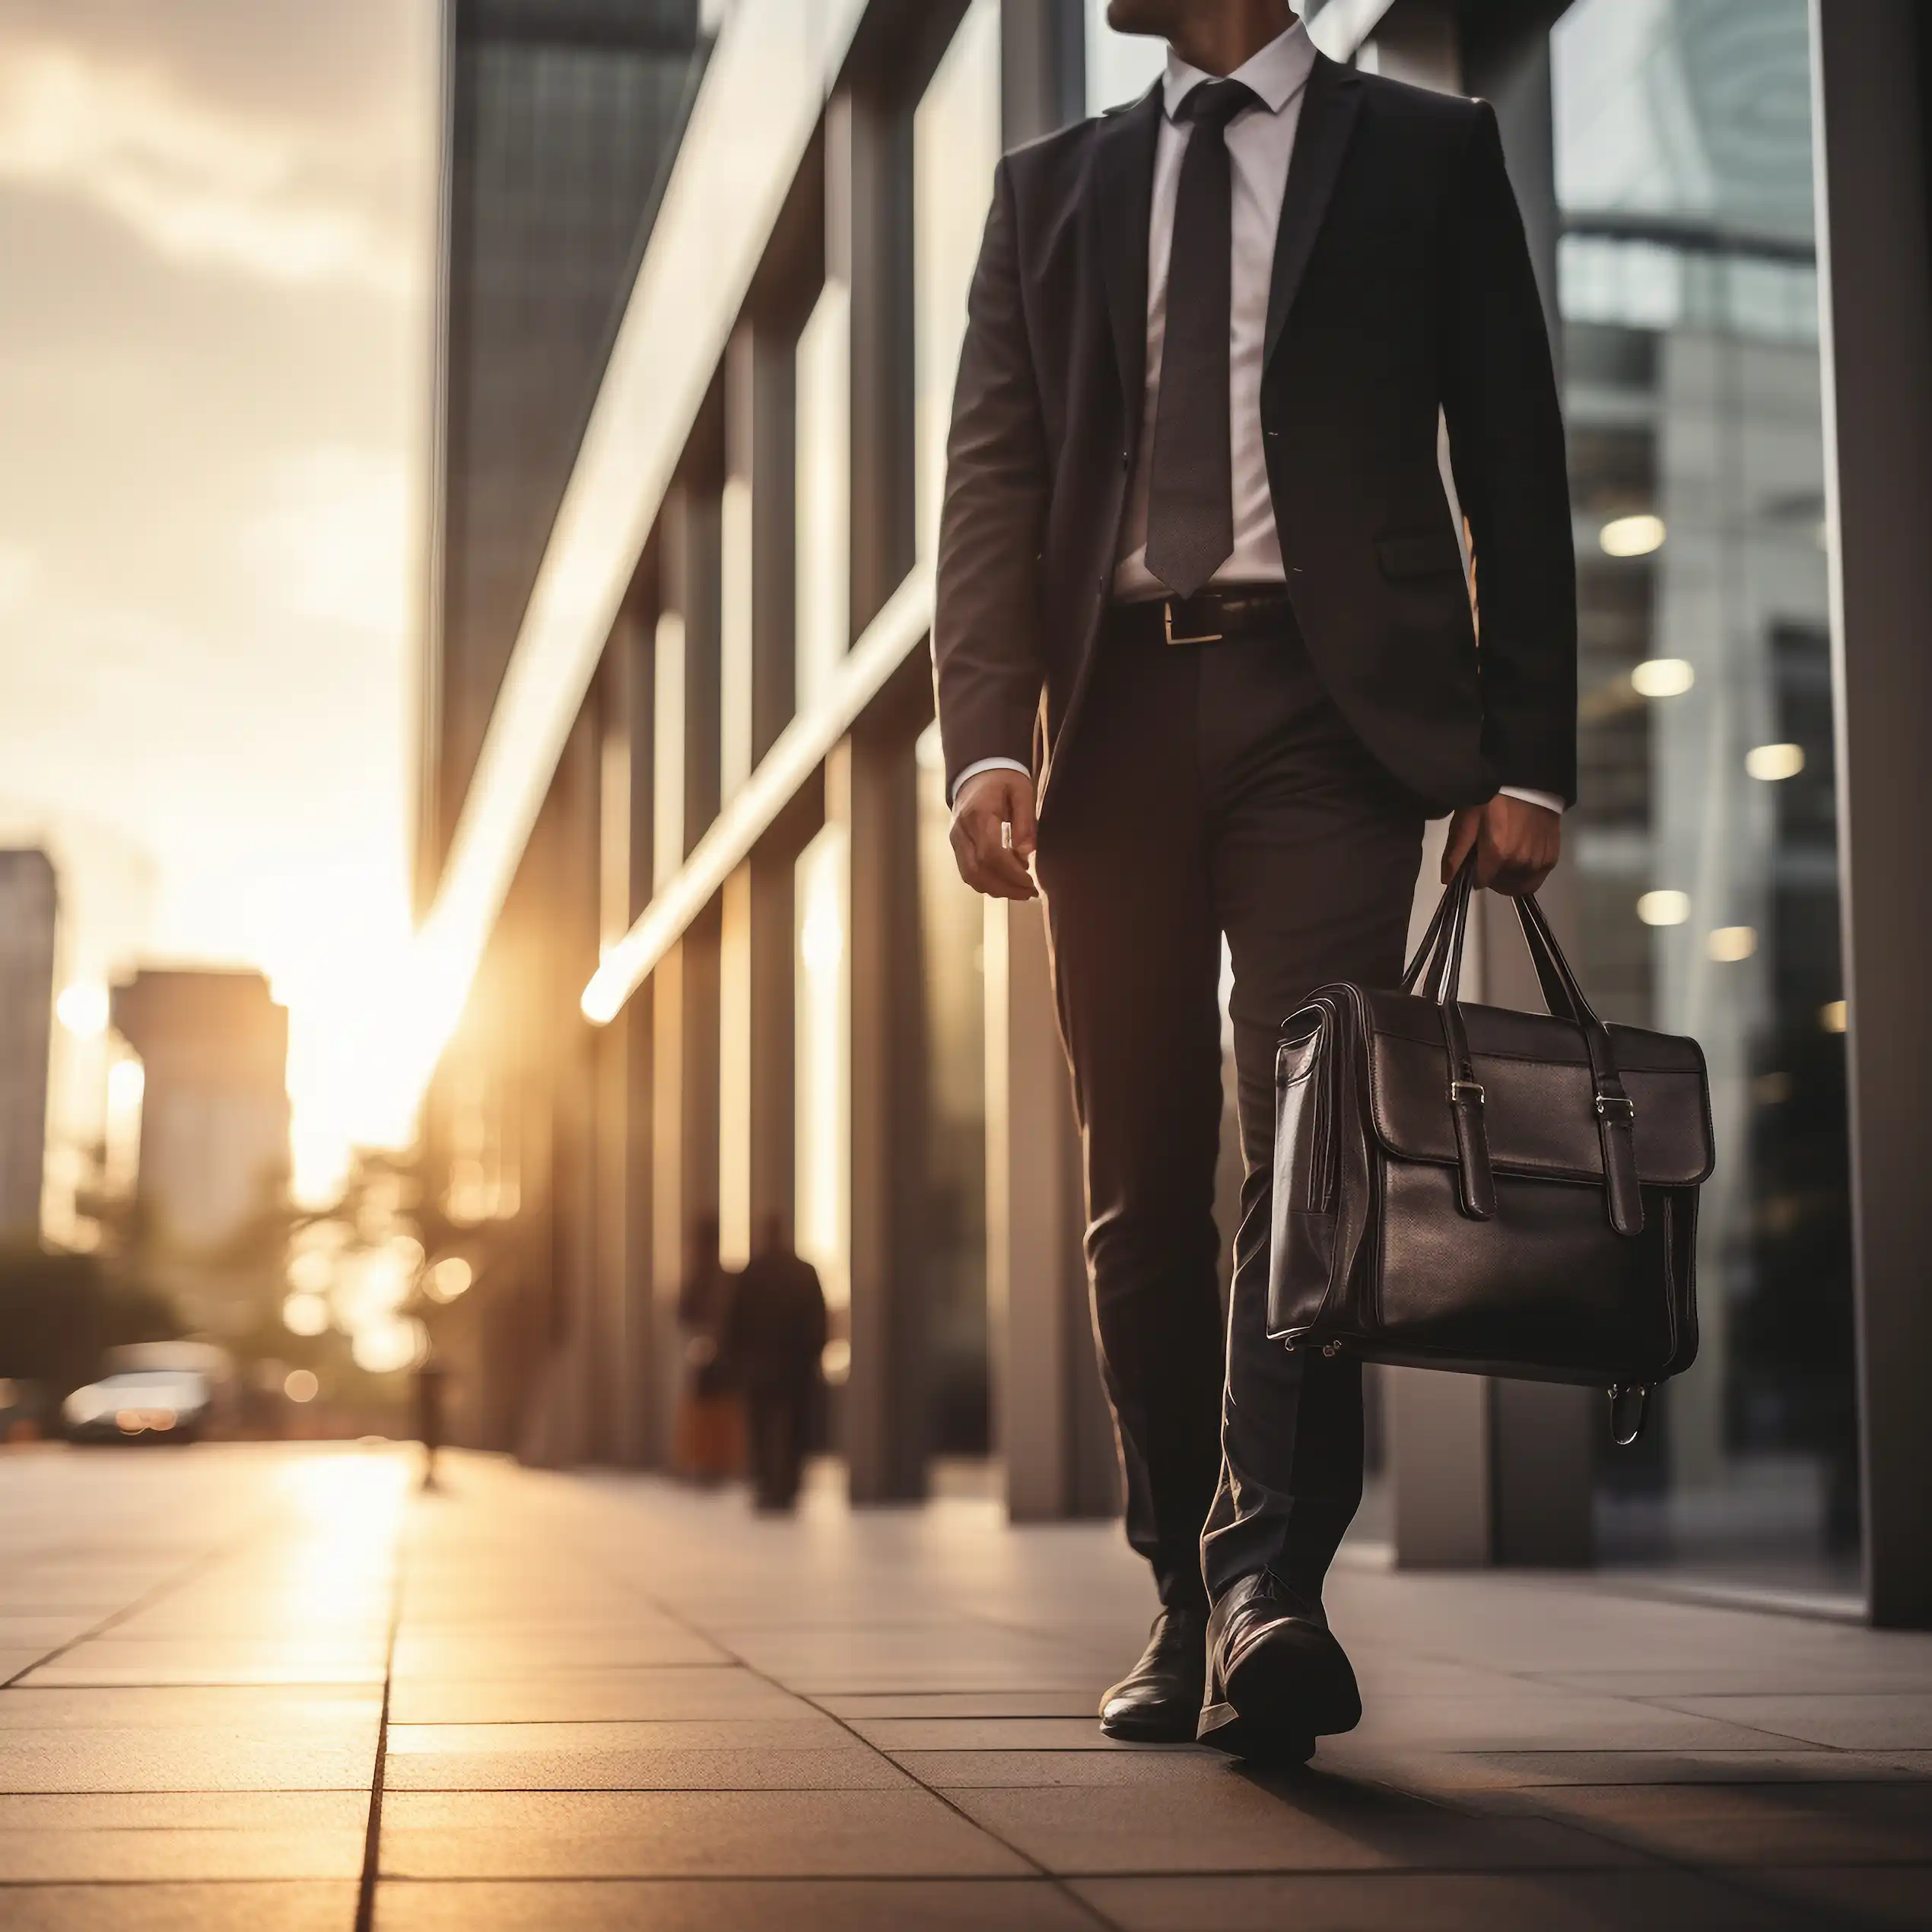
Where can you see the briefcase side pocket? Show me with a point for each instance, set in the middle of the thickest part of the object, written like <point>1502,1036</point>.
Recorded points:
<point>1302,1225</point>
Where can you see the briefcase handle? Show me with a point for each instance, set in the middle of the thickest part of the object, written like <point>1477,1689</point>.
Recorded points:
<point>1437,969</point>
<point>1440,953</point>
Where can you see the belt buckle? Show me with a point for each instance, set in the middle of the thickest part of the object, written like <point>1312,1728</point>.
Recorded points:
<point>1167,626</point>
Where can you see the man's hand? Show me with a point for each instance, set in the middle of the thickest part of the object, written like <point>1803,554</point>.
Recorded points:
<point>1516,844</point>
<point>993,834</point>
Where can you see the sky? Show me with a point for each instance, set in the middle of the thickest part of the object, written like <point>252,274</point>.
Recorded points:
<point>215,219</point>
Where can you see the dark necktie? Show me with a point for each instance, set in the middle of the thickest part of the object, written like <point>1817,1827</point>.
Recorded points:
<point>1191,503</point>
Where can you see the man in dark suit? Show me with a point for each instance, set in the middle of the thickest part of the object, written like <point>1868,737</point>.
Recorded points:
<point>773,1337</point>
<point>1205,657</point>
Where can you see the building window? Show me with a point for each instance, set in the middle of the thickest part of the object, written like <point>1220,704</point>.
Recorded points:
<point>1705,838</point>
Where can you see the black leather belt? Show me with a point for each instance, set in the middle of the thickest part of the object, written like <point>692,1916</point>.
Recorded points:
<point>1209,617</point>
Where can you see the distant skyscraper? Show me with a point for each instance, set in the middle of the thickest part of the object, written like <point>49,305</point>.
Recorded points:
<point>27,908</point>
<point>214,1109</point>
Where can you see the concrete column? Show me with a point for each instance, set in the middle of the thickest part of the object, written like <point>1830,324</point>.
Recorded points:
<point>758,616</point>
<point>869,249</point>
<point>1043,67</point>
<point>684,1011</point>
<point>1050,1426</point>
<point>1874,103</point>
<point>757,1052</point>
<point>621,1432</point>
<point>689,670</point>
<point>869,783</point>
<point>558,1216</point>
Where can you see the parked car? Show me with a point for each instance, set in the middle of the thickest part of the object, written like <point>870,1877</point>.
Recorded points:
<point>159,1405</point>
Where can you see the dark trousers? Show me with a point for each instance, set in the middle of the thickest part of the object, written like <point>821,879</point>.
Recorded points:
<point>1211,789</point>
<point>777,1407</point>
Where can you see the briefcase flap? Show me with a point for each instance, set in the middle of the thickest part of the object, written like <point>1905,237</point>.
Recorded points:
<point>1539,1096</point>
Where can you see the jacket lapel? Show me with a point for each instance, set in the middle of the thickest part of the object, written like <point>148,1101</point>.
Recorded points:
<point>1328,117</point>
<point>1123,194</point>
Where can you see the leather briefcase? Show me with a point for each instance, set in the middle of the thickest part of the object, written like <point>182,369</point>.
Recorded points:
<point>1468,1187</point>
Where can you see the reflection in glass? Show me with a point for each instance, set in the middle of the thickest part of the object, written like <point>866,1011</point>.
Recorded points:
<point>1705,837</point>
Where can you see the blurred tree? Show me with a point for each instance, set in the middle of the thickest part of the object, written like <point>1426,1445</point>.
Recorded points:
<point>60,1313</point>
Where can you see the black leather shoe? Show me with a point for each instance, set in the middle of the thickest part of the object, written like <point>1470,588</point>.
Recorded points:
<point>1277,1677</point>
<point>1158,1701</point>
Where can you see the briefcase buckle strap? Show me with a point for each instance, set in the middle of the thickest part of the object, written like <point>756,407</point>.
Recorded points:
<point>1466,1090</point>
<point>1616,1119</point>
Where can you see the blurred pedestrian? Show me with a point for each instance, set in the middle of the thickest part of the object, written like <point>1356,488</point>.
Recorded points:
<point>710,1427</point>
<point>773,1336</point>
<point>431,1384</point>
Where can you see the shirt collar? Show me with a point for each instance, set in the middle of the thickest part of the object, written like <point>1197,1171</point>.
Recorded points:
<point>1276,74</point>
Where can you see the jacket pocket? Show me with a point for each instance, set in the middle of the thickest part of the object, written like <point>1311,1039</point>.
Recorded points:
<point>1419,553</point>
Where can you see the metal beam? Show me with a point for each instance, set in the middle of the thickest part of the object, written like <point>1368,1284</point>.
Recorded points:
<point>765,87</point>
<point>898,630</point>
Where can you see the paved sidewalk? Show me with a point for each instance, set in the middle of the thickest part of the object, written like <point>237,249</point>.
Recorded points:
<point>272,1688</point>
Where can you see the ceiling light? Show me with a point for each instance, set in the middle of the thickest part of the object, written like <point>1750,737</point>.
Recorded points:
<point>1771,762</point>
<point>1632,536</point>
<point>1663,677</point>
<point>1664,908</point>
<point>1729,944</point>
<point>1831,1016</point>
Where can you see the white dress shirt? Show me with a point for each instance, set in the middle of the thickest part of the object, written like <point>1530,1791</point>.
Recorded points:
<point>1261,144</point>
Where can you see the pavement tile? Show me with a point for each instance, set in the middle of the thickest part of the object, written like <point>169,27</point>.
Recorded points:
<point>617,1696</point>
<point>42,1630</point>
<point>230,1906</point>
<point>1847,1895</point>
<point>107,1660</point>
<point>1472,1771</point>
<point>1169,1767</point>
<point>1755,1824</point>
<point>1306,1823</point>
<point>421,1654</point>
<point>1534,1718</point>
<point>732,1905</point>
<point>1081,1733</point>
<point>1851,1721</point>
<point>1887,1670</point>
<point>27,1706</point>
<point>339,1758</point>
<point>810,1753</point>
<point>1437,1902</point>
<point>181,1836</point>
<point>962,1704</point>
<point>684,1835</point>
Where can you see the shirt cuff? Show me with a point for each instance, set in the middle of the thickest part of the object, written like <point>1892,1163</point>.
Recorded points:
<point>1549,801</point>
<point>988,764</point>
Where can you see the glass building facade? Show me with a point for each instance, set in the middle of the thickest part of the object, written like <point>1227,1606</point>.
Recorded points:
<point>734,796</point>
<point>1704,840</point>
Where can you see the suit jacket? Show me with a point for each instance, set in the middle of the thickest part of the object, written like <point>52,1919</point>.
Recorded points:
<point>1402,283</point>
